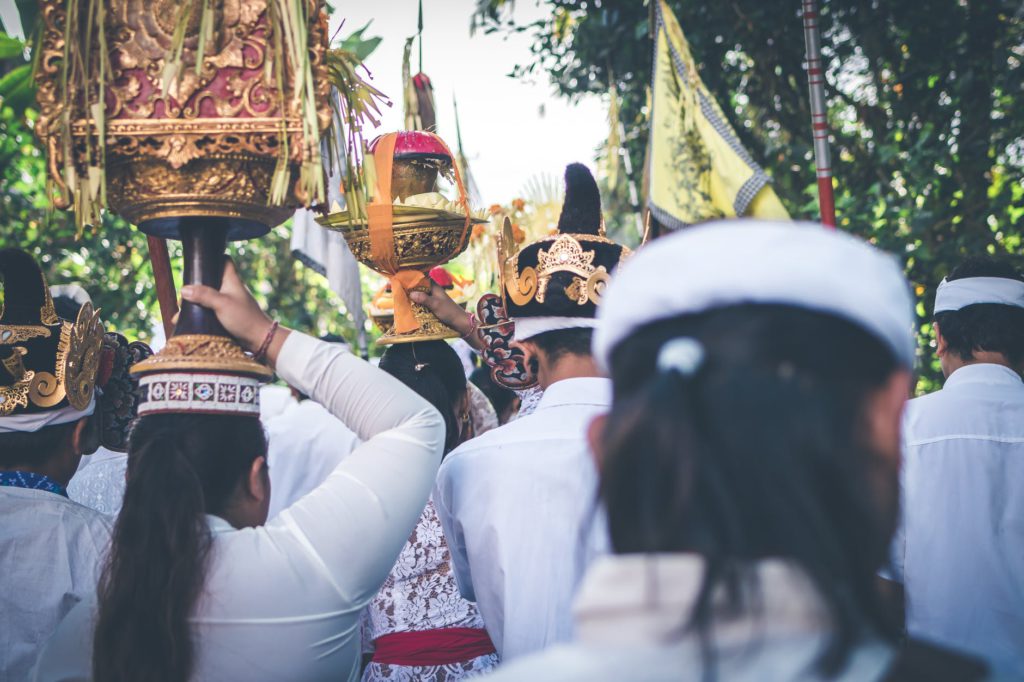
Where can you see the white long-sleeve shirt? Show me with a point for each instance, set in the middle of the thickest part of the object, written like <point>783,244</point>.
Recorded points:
<point>962,542</point>
<point>518,506</point>
<point>282,601</point>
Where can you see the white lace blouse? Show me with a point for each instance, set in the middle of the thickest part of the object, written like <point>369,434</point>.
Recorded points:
<point>421,594</point>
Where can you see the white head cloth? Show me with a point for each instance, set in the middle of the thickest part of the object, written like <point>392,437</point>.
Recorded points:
<point>33,421</point>
<point>527,327</point>
<point>750,261</point>
<point>961,293</point>
<point>73,291</point>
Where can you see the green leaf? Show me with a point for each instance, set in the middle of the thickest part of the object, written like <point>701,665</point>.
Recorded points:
<point>359,46</point>
<point>15,79</point>
<point>11,48</point>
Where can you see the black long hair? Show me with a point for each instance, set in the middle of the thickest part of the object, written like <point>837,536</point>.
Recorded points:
<point>180,468</point>
<point>432,369</point>
<point>758,454</point>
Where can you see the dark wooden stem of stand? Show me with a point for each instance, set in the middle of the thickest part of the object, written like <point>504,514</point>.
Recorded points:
<point>165,293</point>
<point>203,241</point>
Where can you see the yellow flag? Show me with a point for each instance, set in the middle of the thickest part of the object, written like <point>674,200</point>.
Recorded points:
<point>698,170</point>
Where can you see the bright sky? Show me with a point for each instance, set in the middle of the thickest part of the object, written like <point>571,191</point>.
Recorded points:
<point>511,130</point>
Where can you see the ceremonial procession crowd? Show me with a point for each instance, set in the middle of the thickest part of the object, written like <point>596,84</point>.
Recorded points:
<point>715,473</point>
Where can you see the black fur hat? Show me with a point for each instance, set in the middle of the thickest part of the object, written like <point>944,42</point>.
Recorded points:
<point>563,276</point>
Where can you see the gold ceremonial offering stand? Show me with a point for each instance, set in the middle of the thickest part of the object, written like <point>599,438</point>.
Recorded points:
<point>195,121</point>
<point>424,231</point>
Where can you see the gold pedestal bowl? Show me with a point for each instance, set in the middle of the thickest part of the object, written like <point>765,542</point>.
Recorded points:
<point>422,242</point>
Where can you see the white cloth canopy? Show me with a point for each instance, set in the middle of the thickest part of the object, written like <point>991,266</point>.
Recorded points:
<point>327,253</point>
<point>325,250</point>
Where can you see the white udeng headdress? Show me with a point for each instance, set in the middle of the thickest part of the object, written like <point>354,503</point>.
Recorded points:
<point>750,261</point>
<point>961,293</point>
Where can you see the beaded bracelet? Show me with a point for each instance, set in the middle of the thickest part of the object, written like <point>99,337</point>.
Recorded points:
<point>266,342</point>
<point>473,326</point>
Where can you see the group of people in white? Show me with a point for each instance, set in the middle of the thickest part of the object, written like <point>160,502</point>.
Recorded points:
<point>722,479</point>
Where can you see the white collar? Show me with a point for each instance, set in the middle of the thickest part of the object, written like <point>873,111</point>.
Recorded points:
<point>596,391</point>
<point>983,372</point>
<point>217,525</point>
<point>647,599</point>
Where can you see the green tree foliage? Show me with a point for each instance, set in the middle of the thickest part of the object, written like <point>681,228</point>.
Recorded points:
<point>926,106</point>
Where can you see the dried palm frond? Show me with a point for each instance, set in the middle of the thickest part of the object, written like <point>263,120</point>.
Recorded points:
<point>357,104</point>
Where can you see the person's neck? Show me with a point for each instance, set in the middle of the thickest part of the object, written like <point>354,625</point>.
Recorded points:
<point>955,362</point>
<point>568,367</point>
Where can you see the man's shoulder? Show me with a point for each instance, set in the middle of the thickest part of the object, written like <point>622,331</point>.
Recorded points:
<point>947,408</point>
<point>526,435</point>
<point>86,517</point>
<point>46,511</point>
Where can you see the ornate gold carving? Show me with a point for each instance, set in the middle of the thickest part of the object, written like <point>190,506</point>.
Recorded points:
<point>83,357</point>
<point>566,255</point>
<point>431,329</point>
<point>12,397</point>
<point>229,187</point>
<point>202,353</point>
<point>46,390</point>
<point>596,284</point>
<point>19,333</point>
<point>229,115</point>
<point>523,287</point>
<point>47,313</point>
<point>15,364</point>
<point>577,290</point>
<point>519,289</point>
<point>419,246</point>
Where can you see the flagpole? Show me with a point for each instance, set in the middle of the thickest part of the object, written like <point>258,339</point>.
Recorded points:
<point>819,112</point>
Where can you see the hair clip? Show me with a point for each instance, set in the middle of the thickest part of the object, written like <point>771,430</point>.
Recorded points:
<point>420,366</point>
<point>684,355</point>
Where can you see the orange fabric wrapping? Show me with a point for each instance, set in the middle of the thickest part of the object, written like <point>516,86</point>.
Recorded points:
<point>463,197</point>
<point>380,214</point>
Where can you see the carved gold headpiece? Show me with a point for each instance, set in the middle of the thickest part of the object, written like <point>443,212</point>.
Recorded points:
<point>44,359</point>
<point>567,254</point>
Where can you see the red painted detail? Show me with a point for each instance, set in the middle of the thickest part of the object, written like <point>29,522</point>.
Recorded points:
<point>826,201</point>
